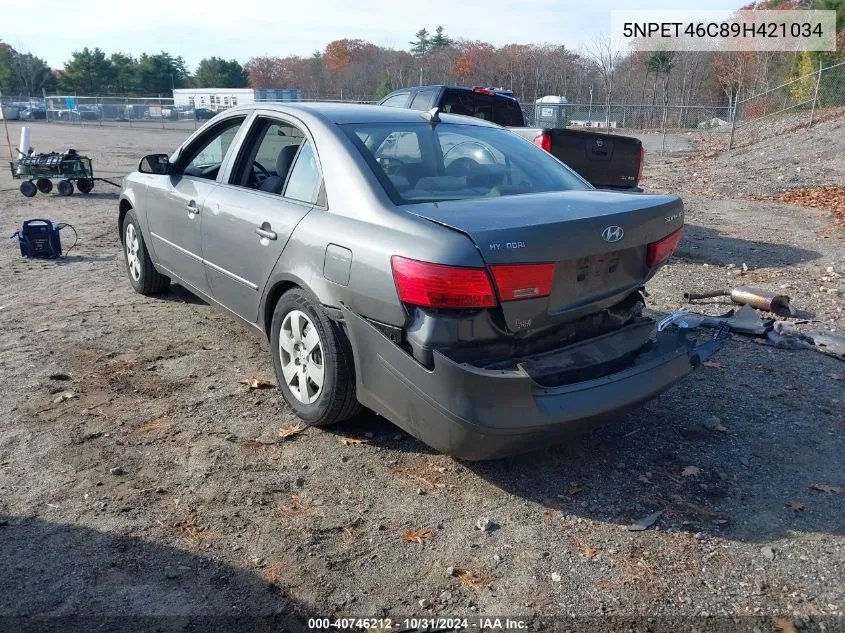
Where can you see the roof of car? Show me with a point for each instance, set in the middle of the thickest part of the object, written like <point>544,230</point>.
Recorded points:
<point>357,113</point>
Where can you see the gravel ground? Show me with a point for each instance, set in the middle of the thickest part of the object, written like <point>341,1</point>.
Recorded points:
<point>139,477</point>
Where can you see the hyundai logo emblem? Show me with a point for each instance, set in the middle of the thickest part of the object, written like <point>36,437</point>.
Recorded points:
<point>612,234</point>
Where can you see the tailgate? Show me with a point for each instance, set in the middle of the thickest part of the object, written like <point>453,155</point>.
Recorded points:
<point>605,160</point>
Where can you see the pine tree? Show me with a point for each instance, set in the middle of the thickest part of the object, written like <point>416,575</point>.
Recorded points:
<point>440,39</point>
<point>422,44</point>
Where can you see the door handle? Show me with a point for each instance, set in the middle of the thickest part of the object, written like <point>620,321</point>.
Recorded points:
<point>192,207</point>
<point>265,232</point>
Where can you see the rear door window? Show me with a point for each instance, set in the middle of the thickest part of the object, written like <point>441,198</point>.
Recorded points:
<point>508,113</point>
<point>396,101</point>
<point>424,99</point>
<point>304,181</point>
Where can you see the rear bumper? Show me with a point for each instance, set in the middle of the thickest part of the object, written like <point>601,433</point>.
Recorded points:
<point>477,414</point>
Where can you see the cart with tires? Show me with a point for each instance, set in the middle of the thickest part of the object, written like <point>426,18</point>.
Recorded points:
<point>38,171</point>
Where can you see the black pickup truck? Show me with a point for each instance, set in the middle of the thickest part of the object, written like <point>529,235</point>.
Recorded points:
<point>607,161</point>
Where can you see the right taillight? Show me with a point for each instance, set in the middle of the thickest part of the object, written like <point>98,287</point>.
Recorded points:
<point>440,286</point>
<point>658,252</point>
<point>544,141</point>
<point>642,162</point>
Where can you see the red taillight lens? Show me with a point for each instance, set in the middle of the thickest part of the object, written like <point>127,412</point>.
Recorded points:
<point>642,162</point>
<point>439,286</point>
<point>524,281</point>
<point>658,252</point>
<point>544,141</point>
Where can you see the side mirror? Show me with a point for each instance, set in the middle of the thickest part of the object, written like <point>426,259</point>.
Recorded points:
<point>155,164</point>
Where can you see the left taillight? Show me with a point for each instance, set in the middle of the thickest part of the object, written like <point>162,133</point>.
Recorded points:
<point>659,252</point>
<point>544,141</point>
<point>440,286</point>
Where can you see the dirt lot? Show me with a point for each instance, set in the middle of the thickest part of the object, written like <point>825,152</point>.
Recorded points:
<point>138,477</point>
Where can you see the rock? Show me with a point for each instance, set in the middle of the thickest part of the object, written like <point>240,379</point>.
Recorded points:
<point>644,523</point>
<point>556,577</point>
<point>497,559</point>
<point>451,571</point>
<point>65,395</point>
<point>446,596</point>
<point>117,470</point>
<point>711,423</point>
<point>745,462</point>
<point>420,491</point>
<point>425,603</point>
<point>485,525</point>
<point>767,552</point>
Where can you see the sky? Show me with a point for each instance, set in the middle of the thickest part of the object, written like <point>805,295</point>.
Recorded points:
<point>240,29</point>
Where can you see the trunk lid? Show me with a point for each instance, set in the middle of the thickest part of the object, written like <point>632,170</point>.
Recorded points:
<point>596,239</point>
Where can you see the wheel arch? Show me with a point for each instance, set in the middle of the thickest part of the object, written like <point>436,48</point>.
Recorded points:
<point>124,208</point>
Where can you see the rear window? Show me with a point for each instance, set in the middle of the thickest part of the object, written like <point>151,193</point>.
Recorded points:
<point>418,163</point>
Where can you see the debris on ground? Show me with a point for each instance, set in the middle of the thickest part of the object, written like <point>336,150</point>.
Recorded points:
<point>257,383</point>
<point>645,523</point>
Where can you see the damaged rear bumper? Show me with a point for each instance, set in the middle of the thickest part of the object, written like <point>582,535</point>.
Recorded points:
<point>475,414</point>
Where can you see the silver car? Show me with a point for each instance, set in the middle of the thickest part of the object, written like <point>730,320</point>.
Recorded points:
<point>435,268</point>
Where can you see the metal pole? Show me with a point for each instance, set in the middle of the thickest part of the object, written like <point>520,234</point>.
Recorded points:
<point>6,125</point>
<point>815,96</point>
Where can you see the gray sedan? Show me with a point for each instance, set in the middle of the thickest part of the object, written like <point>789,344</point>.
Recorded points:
<point>437,269</point>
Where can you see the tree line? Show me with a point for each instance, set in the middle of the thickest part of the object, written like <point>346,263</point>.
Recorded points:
<point>358,70</point>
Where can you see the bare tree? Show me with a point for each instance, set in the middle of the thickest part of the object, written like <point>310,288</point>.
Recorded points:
<point>606,57</point>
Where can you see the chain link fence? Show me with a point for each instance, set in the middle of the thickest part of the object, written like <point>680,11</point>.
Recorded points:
<point>796,104</point>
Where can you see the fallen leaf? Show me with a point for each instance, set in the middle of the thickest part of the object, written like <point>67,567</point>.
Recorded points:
<point>274,574</point>
<point>289,431</point>
<point>645,523</point>
<point>834,376</point>
<point>644,479</point>
<point>297,506</point>
<point>589,552</point>
<point>257,383</point>
<point>713,363</point>
<point>825,488</point>
<point>352,441</point>
<point>795,506</point>
<point>573,489</point>
<point>690,471</point>
<point>470,578</point>
<point>784,625</point>
<point>156,424</point>
<point>418,536</point>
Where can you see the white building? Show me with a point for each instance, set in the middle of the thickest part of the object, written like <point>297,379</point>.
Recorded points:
<point>220,98</point>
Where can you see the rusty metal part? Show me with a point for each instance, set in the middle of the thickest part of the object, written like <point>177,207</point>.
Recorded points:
<point>761,299</point>
<point>746,295</point>
<point>689,297</point>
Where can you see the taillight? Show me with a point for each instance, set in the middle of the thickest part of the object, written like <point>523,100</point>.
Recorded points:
<point>658,252</point>
<point>544,141</point>
<point>642,162</point>
<point>439,286</point>
<point>523,281</point>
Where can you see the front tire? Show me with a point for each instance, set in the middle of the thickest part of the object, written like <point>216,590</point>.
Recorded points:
<point>143,276</point>
<point>28,189</point>
<point>65,188</point>
<point>313,361</point>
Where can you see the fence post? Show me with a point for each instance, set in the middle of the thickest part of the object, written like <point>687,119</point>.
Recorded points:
<point>733,118</point>
<point>815,96</point>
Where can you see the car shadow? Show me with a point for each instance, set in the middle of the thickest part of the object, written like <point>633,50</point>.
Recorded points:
<point>706,245</point>
<point>180,294</point>
<point>778,432</point>
<point>60,577</point>
<point>76,259</point>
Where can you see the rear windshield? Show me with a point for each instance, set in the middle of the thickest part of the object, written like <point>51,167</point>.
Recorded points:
<point>418,163</point>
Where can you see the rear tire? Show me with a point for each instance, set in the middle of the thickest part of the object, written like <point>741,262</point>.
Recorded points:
<point>28,189</point>
<point>44,185</point>
<point>305,343</point>
<point>65,188</point>
<point>85,185</point>
<point>143,276</point>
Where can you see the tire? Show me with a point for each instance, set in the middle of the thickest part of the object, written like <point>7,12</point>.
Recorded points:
<point>143,276</point>
<point>44,185</point>
<point>335,400</point>
<point>85,185</point>
<point>65,188</point>
<point>28,189</point>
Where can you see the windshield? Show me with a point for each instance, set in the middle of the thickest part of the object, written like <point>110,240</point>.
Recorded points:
<point>419,163</point>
